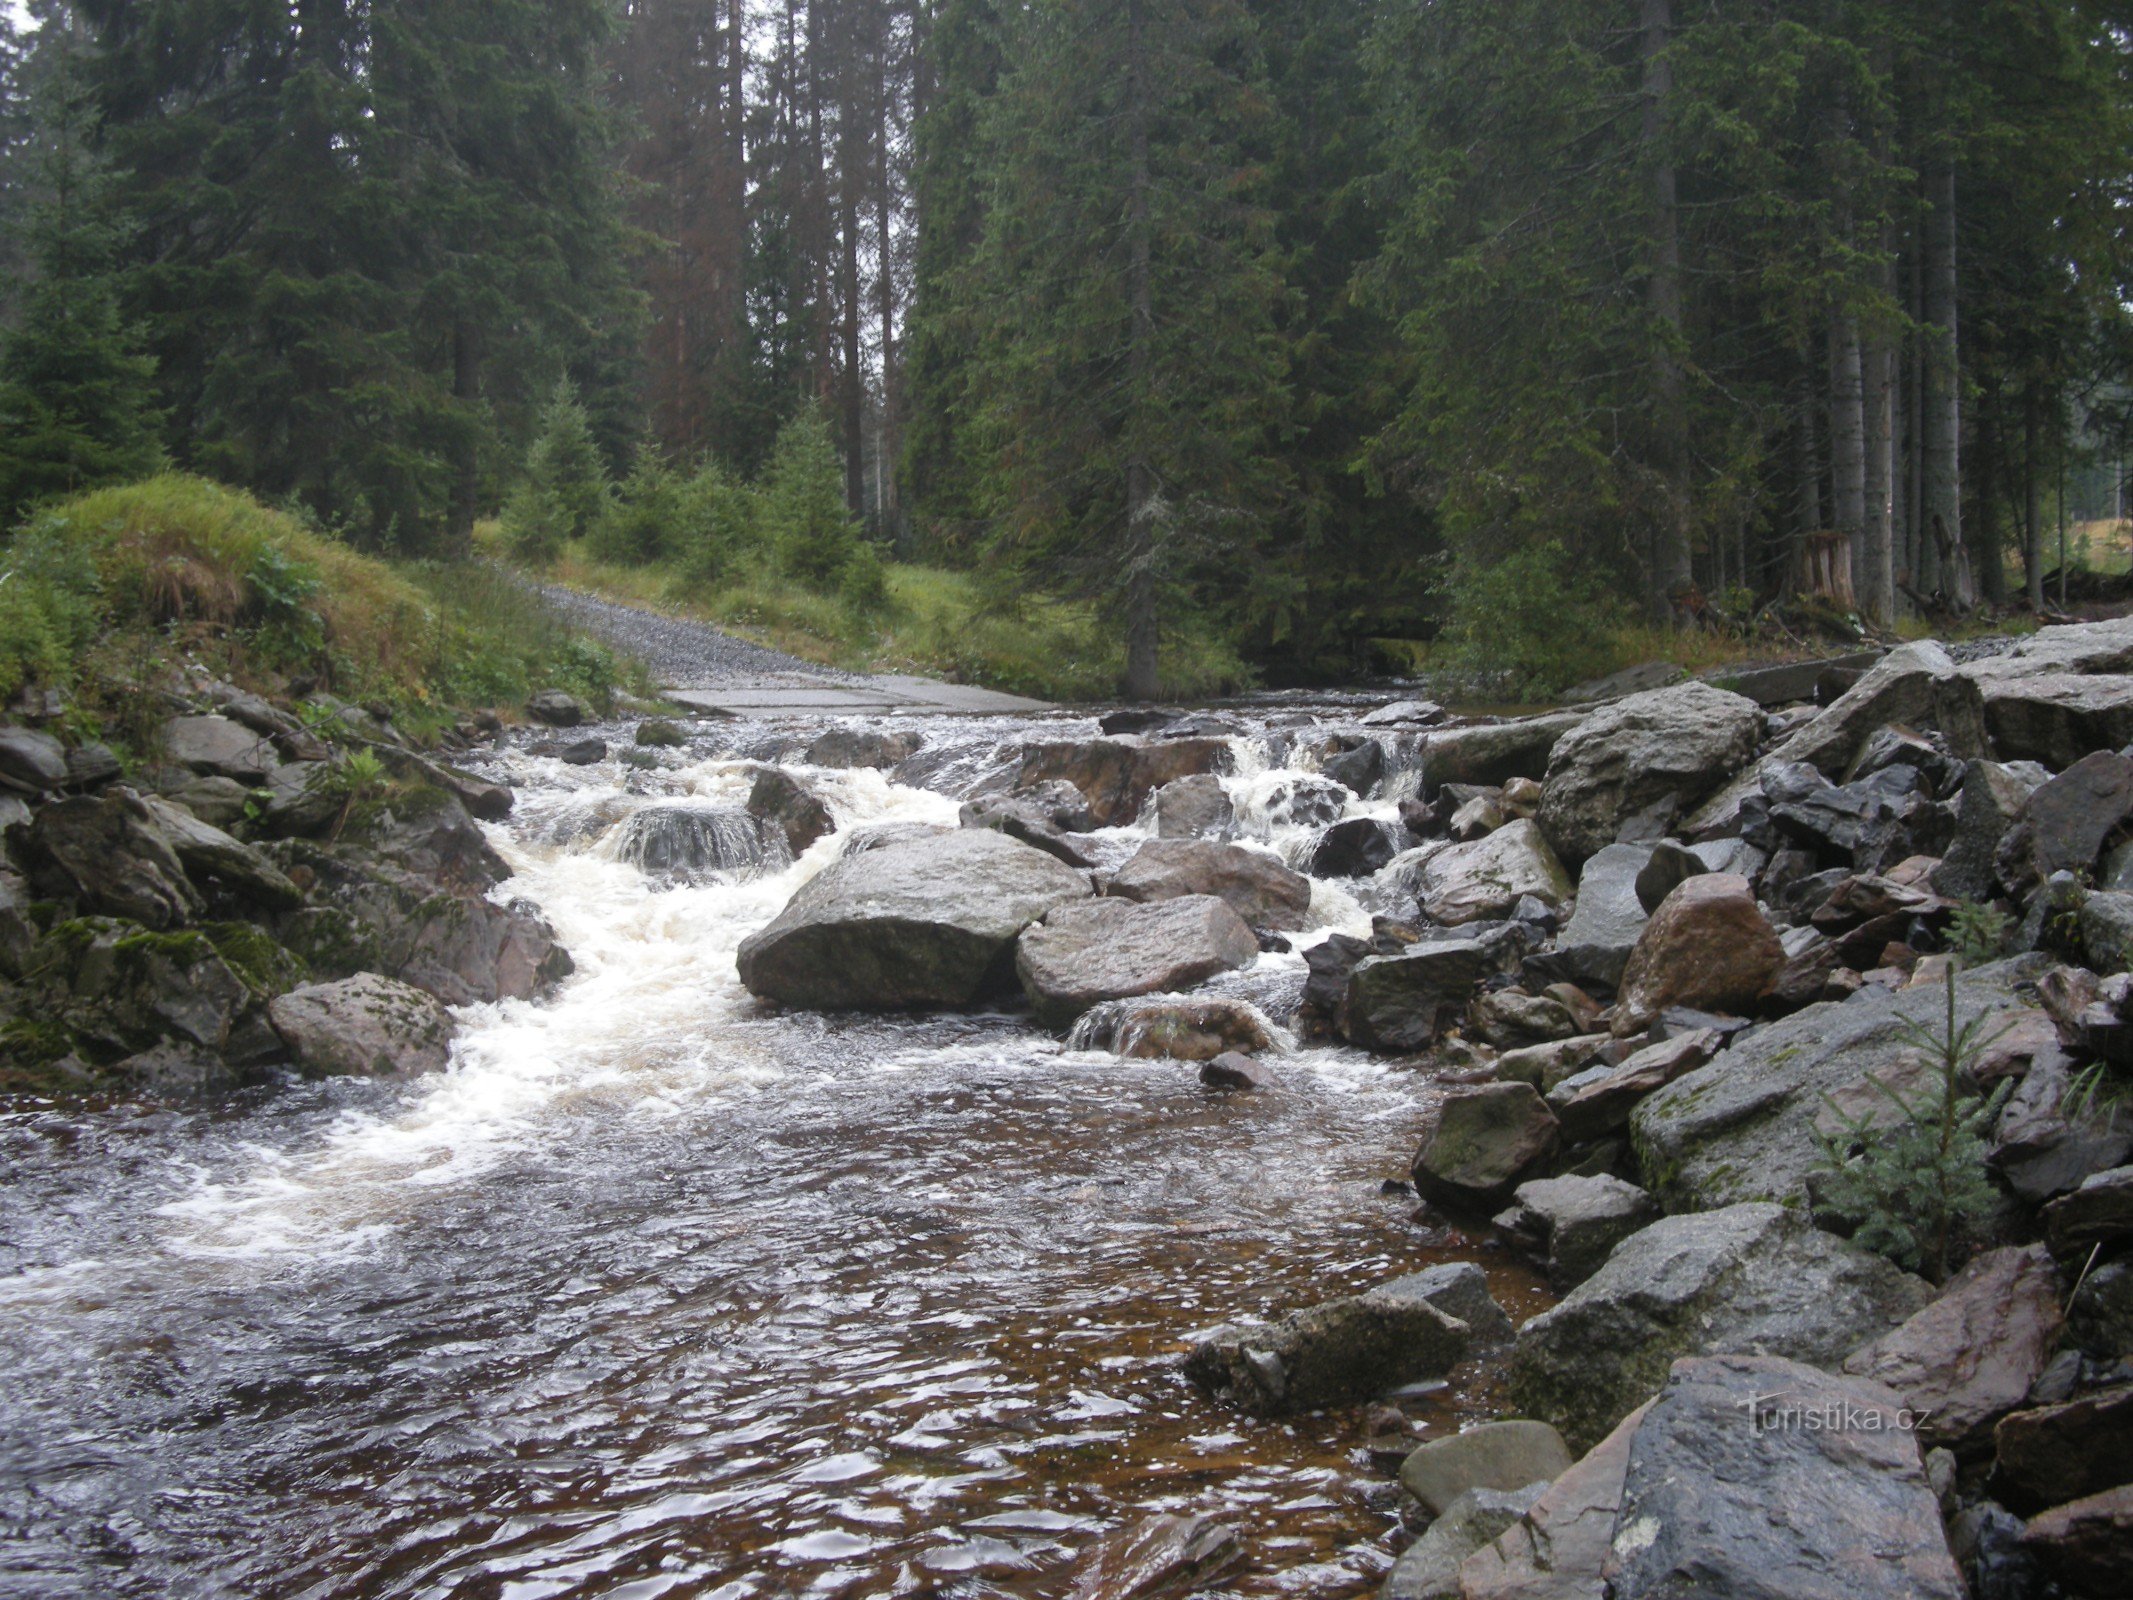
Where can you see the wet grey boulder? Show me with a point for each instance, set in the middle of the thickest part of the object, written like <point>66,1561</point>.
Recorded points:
<point>1724,1497</point>
<point>1428,1569</point>
<point>1194,808</point>
<point>680,843</point>
<point>926,921</point>
<point>91,766</point>
<point>31,762</point>
<point>852,745</point>
<point>1458,1289</point>
<point>1488,754</point>
<point>298,799</point>
<point>1356,848</point>
<point>1090,951</point>
<point>1481,1142</point>
<point>217,801</point>
<point>1046,818</point>
<point>1116,776</point>
<point>1397,1004</point>
<point>366,1026</point>
<point>1753,1277</point>
<point>2097,1212</point>
<point>1257,886</point>
<point>1992,798</point>
<point>1916,685</point>
<point>213,859</point>
<point>2082,1545</point>
<point>2048,1455</point>
<point>778,797</point>
<point>1559,1549</point>
<point>658,733</point>
<point>558,708</point>
<point>2046,1143</point>
<point>1405,714</point>
<point>1491,1455</point>
<point>109,854</point>
<point>1669,866</point>
<point>1641,762</point>
<point>1743,1127</point>
<point>1487,877</point>
<point>1234,1071</point>
<point>2057,718</point>
<point>1546,1066</point>
<point>219,747</point>
<point>587,752</point>
<point>2067,820</point>
<point>1596,1103</point>
<point>1305,801</point>
<point>119,988</point>
<point>1571,1224</point>
<point>1596,942</point>
<point>1340,1353</point>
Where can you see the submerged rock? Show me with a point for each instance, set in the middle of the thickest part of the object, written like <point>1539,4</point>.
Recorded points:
<point>778,797</point>
<point>1172,1028</point>
<point>689,843</point>
<point>1339,1353</point>
<point>1165,1555</point>
<point>925,921</point>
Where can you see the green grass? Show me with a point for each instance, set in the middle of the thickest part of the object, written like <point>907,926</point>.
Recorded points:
<point>934,622</point>
<point>110,593</point>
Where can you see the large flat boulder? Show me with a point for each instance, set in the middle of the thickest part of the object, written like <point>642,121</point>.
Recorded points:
<point>1562,1546</point>
<point>31,762</point>
<point>1595,944</point>
<point>1915,685</point>
<point>218,746</point>
<point>1572,1224</point>
<point>1491,1455</point>
<point>929,920</point>
<point>1088,951</point>
<point>1257,886</point>
<point>1759,1476</point>
<point>1640,763</point>
<point>1744,1278</point>
<point>1743,1127</point>
<point>367,1026</point>
<point>2057,718</point>
<point>111,854</point>
<point>1484,878</point>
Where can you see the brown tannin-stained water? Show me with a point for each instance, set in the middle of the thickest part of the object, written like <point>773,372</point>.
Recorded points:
<point>659,1294</point>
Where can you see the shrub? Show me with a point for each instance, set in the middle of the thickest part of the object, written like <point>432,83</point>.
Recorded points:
<point>1532,623</point>
<point>565,461</point>
<point>535,523</point>
<point>802,503</point>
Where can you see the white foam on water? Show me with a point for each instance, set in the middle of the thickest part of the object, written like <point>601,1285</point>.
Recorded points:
<point>646,1024</point>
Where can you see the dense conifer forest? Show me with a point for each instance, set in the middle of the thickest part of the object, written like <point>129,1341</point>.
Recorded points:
<point>1265,336</point>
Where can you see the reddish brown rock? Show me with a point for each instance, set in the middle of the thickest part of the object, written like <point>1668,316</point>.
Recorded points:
<point>1970,1357</point>
<point>2087,1545</point>
<point>1116,775</point>
<point>1708,946</point>
<point>2053,1454</point>
<point>1595,1104</point>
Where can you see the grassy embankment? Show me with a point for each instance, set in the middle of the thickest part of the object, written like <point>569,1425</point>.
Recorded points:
<point>933,621</point>
<point>113,594</point>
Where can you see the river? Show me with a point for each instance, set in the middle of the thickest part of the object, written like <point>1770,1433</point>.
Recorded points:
<point>657,1294</point>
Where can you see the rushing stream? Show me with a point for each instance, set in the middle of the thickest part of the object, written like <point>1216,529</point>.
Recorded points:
<point>658,1294</point>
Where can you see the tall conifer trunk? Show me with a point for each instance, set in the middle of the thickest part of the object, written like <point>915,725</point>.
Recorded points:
<point>1847,436</point>
<point>1944,398</point>
<point>1671,572</point>
<point>1142,507</point>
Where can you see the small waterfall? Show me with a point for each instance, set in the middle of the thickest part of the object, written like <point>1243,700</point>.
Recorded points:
<point>1190,1027</point>
<point>689,844</point>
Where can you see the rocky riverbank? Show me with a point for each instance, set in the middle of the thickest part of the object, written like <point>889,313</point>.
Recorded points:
<point>1676,964</point>
<point>1669,970</point>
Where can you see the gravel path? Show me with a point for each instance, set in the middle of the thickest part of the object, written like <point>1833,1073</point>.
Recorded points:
<point>683,654</point>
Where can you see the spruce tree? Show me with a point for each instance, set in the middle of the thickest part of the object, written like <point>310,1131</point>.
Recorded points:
<point>566,462</point>
<point>1129,377</point>
<point>804,522</point>
<point>77,401</point>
